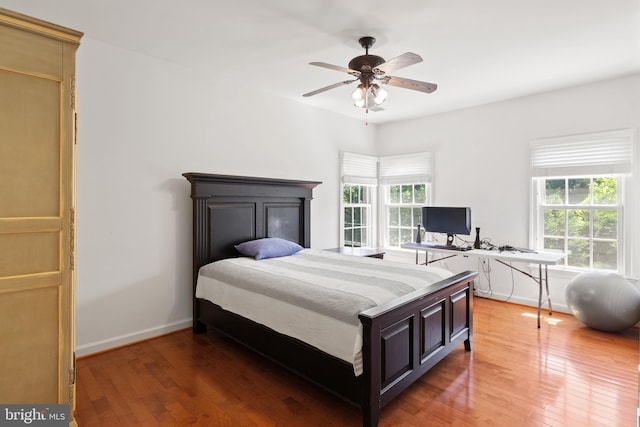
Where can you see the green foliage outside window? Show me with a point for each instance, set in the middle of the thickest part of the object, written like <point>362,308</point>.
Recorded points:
<point>357,209</point>
<point>404,212</point>
<point>581,217</point>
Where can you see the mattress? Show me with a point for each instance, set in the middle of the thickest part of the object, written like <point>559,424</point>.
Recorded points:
<point>314,295</point>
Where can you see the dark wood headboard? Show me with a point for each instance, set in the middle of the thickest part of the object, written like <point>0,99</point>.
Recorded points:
<point>228,210</point>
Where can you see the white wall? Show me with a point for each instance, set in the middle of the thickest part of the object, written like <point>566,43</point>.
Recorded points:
<point>144,122</point>
<point>482,161</point>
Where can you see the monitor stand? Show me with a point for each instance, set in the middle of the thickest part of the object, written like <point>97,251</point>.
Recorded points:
<point>450,239</point>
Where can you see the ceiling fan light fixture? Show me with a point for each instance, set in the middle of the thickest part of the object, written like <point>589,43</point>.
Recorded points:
<point>359,93</point>
<point>374,96</point>
<point>366,100</point>
<point>379,94</point>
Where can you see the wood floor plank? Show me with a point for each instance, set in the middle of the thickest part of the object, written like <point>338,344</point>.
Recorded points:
<point>563,374</point>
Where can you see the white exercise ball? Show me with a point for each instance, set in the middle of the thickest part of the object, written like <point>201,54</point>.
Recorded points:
<point>603,301</point>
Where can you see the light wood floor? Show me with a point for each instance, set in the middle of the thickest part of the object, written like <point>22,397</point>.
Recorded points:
<point>563,374</point>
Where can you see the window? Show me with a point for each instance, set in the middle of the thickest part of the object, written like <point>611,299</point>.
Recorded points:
<point>582,217</point>
<point>357,213</point>
<point>359,179</point>
<point>404,212</point>
<point>403,184</point>
<point>580,195</point>
<point>405,181</point>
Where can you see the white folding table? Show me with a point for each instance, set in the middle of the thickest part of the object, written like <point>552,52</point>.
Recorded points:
<point>542,259</point>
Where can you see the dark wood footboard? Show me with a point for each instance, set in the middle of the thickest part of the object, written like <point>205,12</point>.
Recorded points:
<point>403,340</point>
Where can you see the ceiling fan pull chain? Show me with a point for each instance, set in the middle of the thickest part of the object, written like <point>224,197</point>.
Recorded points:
<point>366,107</point>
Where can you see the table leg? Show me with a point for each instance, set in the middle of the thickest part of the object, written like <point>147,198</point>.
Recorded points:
<point>546,284</point>
<point>539,292</point>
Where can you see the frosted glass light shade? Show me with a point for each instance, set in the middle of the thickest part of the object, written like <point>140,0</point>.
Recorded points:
<point>358,94</point>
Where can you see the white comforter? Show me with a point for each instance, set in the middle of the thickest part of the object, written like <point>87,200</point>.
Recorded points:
<point>314,296</point>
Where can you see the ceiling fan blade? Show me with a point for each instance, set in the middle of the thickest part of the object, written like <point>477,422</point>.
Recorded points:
<point>409,84</point>
<point>326,88</point>
<point>336,68</point>
<point>398,62</point>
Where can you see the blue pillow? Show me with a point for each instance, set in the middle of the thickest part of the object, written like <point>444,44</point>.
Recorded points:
<point>269,247</point>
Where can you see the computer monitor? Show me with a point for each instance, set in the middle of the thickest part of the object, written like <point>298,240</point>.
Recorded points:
<point>449,220</point>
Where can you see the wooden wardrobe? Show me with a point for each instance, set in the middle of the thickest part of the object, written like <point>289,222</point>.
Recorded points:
<point>37,210</point>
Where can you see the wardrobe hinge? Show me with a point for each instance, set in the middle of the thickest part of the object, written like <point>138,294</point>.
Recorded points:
<point>72,371</point>
<point>72,383</point>
<point>72,238</point>
<point>72,91</point>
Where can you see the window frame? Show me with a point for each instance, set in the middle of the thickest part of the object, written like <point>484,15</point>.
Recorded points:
<point>387,205</point>
<point>596,154</point>
<point>370,221</point>
<point>540,205</point>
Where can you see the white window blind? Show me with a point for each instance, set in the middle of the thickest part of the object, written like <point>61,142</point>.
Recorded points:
<point>359,169</point>
<point>406,169</point>
<point>598,153</point>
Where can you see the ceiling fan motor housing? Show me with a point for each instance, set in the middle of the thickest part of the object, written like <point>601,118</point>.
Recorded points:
<point>365,65</point>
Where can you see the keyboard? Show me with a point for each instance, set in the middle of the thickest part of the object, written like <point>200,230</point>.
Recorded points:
<point>508,248</point>
<point>451,248</point>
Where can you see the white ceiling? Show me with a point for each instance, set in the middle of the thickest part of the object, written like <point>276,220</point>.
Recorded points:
<point>476,51</point>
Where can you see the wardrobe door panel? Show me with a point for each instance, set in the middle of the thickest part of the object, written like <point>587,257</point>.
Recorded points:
<point>30,157</point>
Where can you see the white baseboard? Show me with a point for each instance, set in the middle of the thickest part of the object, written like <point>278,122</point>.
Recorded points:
<point>110,343</point>
<point>557,307</point>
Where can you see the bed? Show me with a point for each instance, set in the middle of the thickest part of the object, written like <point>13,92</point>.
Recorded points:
<point>402,338</point>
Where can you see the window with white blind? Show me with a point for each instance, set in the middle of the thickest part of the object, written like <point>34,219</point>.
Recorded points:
<point>405,182</point>
<point>402,184</point>
<point>580,190</point>
<point>359,181</point>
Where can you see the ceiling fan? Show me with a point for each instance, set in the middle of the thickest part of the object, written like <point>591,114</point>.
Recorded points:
<point>371,71</point>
